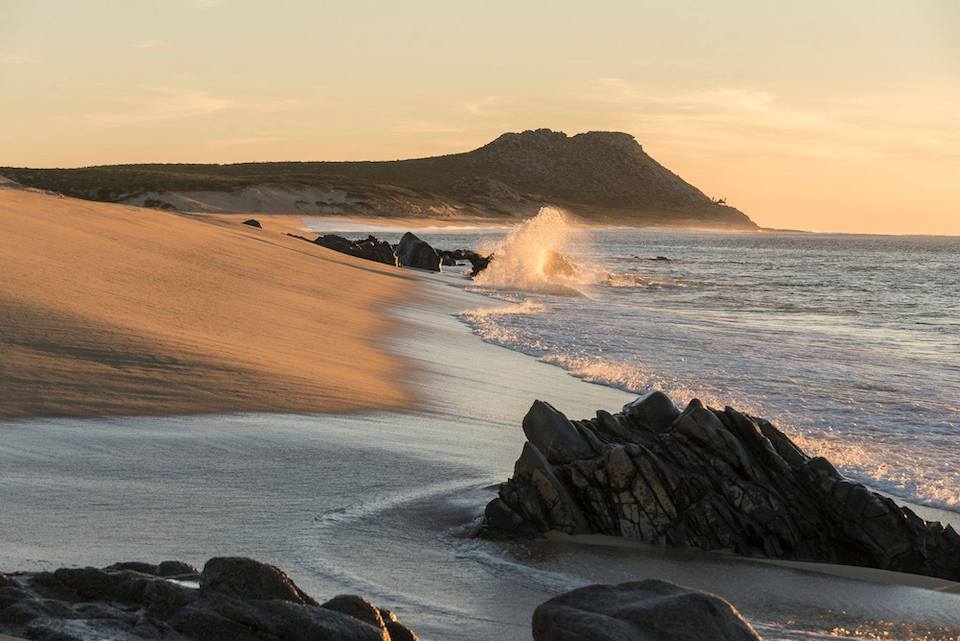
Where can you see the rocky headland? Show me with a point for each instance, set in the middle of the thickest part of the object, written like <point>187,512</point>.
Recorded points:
<point>711,479</point>
<point>598,176</point>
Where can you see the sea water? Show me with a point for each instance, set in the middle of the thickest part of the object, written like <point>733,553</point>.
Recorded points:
<point>849,343</point>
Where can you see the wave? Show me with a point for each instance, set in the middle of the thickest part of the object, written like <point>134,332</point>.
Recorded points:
<point>909,478</point>
<point>532,258</point>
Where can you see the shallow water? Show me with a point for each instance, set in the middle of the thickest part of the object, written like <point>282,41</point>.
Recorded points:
<point>849,343</point>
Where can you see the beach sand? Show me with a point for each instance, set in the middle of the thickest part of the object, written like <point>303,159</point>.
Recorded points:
<point>112,309</point>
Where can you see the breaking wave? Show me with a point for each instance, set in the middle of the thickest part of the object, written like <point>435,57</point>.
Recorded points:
<point>533,258</point>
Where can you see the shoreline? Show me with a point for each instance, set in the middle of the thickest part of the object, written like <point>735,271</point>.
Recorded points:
<point>439,458</point>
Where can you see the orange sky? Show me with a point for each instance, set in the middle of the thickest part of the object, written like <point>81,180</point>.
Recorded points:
<point>816,115</point>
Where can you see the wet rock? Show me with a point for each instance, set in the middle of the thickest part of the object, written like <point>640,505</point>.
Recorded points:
<point>411,251</point>
<point>357,607</point>
<point>649,610</point>
<point>253,222</point>
<point>248,579</point>
<point>709,479</point>
<point>239,600</point>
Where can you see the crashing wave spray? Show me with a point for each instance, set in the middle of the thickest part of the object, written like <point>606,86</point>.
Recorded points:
<point>533,257</point>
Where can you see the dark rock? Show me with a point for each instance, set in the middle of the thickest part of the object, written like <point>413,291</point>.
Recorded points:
<point>248,579</point>
<point>239,600</point>
<point>709,479</point>
<point>357,607</point>
<point>135,566</point>
<point>414,252</point>
<point>649,610</point>
<point>400,632</point>
<point>478,261</point>
<point>154,203</point>
<point>369,248</point>
<point>176,569</point>
<point>253,222</point>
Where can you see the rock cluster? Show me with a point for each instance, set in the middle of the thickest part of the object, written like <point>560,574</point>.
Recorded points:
<point>649,610</point>
<point>238,599</point>
<point>710,479</point>
<point>369,248</point>
<point>479,262</point>
<point>411,251</point>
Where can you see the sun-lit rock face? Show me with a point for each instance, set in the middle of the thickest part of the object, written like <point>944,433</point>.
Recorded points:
<point>709,479</point>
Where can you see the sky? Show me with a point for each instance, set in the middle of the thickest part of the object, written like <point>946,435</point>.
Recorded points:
<point>819,115</point>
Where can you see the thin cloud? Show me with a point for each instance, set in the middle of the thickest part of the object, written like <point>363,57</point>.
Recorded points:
<point>419,127</point>
<point>16,59</point>
<point>162,104</point>
<point>149,44</point>
<point>477,107</point>
<point>754,120</point>
<point>157,104</point>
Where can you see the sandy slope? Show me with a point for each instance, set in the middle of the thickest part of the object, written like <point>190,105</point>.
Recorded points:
<point>110,309</point>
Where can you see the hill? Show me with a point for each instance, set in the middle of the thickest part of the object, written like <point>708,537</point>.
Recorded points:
<point>598,176</point>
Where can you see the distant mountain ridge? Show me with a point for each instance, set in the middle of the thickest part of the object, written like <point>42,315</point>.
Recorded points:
<point>598,176</point>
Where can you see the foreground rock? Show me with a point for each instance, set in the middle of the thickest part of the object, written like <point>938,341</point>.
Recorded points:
<point>709,479</point>
<point>238,599</point>
<point>644,611</point>
<point>411,251</point>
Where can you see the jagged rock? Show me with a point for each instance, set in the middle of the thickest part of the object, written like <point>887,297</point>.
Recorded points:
<point>649,610</point>
<point>709,479</point>
<point>478,261</point>
<point>239,600</point>
<point>411,251</point>
<point>369,248</point>
<point>253,222</point>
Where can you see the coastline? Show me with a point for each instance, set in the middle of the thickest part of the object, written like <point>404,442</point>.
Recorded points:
<point>405,484</point>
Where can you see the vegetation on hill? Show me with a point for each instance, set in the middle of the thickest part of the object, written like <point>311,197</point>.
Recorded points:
<point>597,175</point>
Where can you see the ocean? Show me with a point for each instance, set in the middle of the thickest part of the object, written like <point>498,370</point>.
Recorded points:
<point>849,343</point>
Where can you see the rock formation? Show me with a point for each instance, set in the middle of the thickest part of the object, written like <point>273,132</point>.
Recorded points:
<point>411,251</point>
<point>253,222</point>
<point>710,479</point>
<point>649,610</point>
<point>369,248</point>
<point>237,599</point>
<point>479,262</point>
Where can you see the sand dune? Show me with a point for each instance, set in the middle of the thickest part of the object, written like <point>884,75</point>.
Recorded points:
<point>110,309</point>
